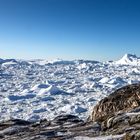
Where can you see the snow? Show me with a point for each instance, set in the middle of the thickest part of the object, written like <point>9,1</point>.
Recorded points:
<point>129,59</point>
<point>52,62</point>
<point>9,63</point>
<point>82,66</point>
<point>104,80</point>
<point>111,137</point>
<point>37,89</point>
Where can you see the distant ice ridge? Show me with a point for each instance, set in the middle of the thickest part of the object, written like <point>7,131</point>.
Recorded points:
<point>51,62</point>
<point>37,89</point>
<point>129,59</point>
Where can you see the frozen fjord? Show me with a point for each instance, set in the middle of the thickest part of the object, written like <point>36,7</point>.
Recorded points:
<point>37,89</point>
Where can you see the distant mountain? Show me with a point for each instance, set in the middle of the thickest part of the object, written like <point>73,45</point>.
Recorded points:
<point>129,59</point>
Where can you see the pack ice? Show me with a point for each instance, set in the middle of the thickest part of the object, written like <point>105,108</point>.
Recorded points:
<point>37,89</point>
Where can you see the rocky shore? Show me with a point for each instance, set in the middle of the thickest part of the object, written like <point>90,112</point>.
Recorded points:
<point>116,117</point>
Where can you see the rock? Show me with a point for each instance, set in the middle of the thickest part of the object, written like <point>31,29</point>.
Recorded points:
<point>13,130</point>
<point>125,121</point>
<point>122,100</point>
<point>13,122</point>
<point>66,119</point>
<point>119,113</point>
<point>62,127</point>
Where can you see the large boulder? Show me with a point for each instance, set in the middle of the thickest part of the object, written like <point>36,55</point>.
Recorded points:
<point>122,100</point>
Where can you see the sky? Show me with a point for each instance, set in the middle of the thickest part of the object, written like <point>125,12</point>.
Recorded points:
<point>69,29</point>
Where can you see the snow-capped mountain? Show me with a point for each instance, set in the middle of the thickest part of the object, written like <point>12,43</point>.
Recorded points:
<point>129,59</point>
<point>37,89</point>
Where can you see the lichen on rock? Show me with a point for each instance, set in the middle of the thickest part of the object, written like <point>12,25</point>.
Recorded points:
<point>122,100</point>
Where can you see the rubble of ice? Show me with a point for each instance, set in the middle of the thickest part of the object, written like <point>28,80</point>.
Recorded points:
<point>37,89</point>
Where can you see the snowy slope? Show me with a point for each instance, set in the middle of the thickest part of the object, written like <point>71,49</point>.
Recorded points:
<point>37,89</point>
<point>129,59</point>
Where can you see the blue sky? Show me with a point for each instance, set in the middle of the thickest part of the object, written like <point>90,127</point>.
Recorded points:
<point>69,29</point>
